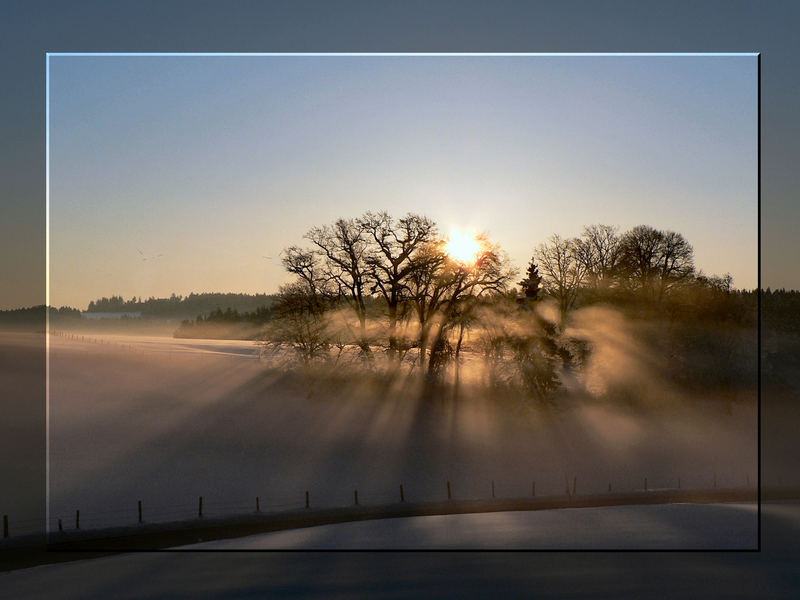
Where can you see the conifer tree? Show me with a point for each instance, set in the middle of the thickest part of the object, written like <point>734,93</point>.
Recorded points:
<point>530,285</point>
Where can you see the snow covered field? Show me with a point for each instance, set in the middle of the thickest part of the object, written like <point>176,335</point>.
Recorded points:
<point>165,421</point>
<point>771,573</point>
<point>729,526</point>
<point>166,426</point>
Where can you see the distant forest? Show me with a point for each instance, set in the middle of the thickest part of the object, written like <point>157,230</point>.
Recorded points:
<point>181,307</point>
<point>780,309</point>
<point>212,308</point>
<point>34,316</point>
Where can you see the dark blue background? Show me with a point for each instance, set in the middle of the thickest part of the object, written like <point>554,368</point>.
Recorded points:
<point>29,28</point>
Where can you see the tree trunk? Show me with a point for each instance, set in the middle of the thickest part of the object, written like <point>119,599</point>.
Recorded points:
<point>363,342</point>
<point>458,363</point>
<point>392,331</point>
<point>460,339</point>
<point>423,343</point>
<point>435,347</point>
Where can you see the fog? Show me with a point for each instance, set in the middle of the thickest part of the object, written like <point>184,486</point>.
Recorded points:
<point>165,421</point>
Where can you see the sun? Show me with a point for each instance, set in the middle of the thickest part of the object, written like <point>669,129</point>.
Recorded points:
<point>463,247</point>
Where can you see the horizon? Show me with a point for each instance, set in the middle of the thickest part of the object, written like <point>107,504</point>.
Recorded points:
<point>196,293</point>
<point>183,173</point>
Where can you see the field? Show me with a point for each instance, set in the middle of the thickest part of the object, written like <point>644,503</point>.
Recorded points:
<point>771,573</point>
<point>658,527</point>
<point>165,421</point>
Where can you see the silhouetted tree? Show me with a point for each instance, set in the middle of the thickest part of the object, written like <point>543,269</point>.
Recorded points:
<point>306,266</point>
<point>654,261</point>
<point>562,270</point>
<point>530,285</point>
<point>598,249</point>
<point>390,260</point>
<point>426,289</point>
<point>453,285</point>
<point>343,249</point>
<point>301,324</point>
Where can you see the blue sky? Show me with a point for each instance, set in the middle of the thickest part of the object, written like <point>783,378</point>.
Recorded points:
<point>215,161</point>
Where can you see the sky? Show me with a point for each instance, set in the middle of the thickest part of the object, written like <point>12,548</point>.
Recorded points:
<point>215,162</point>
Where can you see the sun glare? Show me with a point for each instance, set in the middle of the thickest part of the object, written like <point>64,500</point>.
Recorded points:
<point>463,247</point>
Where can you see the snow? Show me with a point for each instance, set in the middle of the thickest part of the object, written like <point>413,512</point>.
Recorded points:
<point>671,526</point>
<point>165,421</point>
<point>771,573</point>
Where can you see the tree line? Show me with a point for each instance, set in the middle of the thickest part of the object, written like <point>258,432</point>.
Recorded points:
<point>177,306</point>
<point>36,315</point>
<point>377,282</point>
<point>225,324</point>
<point>644,263</point>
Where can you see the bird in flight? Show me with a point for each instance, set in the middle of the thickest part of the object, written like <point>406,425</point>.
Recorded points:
<point>145,257</point>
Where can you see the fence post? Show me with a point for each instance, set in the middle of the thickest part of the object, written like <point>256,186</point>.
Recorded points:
<point>449,495</point>
<point>533,488</point>
<point>60,525</point>
<point>609,486</point>
<point>77,519</point>
<point>5,526</point>
<point>645,484</point>
<point>492,488</point>
<point>258,507</point>
<point>140,510</point>
<point>402,497</point>
<point>307,505</point>
<point>355,495</point>
<point>200,508</point>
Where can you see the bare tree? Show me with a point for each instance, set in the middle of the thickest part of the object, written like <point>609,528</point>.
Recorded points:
<point>306,266</point>
<point>676,262</point>
<point>598,249</point>
<point>342,248</point>
<point>427,287</point>
<point>640,251</point>
<point>300,323</point>
<point>454,286</point>
<point>390,259</point>
<point>562,270</point>
<point>655,261</point>
<point>722,284</point>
